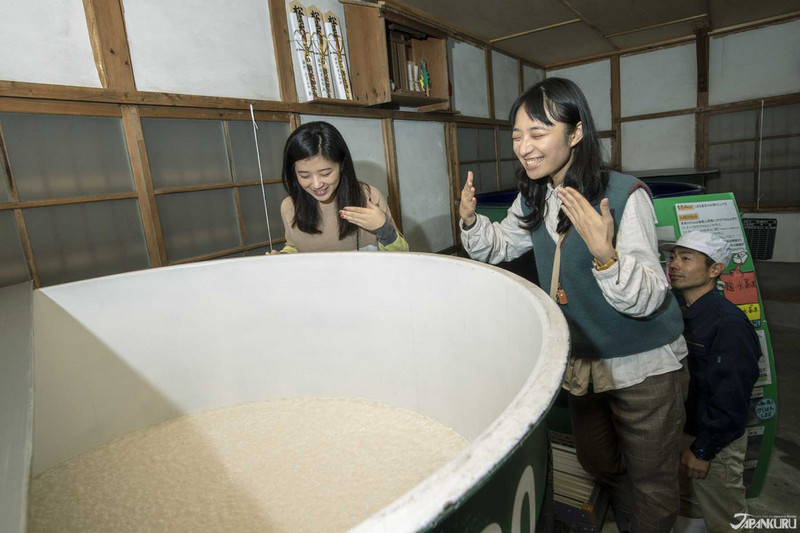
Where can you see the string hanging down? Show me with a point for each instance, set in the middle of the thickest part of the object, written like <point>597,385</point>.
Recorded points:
<point>261,175</point>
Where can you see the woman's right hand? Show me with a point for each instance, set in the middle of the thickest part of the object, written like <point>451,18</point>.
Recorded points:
<point>466,208</point>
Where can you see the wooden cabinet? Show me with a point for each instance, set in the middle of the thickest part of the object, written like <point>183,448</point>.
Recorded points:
<point>378,43</point>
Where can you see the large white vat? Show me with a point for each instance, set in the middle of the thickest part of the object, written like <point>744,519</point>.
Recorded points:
<point>469,345</point>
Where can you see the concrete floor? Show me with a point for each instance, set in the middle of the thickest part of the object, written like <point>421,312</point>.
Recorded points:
<point>780,291</point>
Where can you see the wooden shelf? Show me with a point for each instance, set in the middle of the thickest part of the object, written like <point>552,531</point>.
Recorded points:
<point>335,101</point>
<point>414,99</point>
<point>371,68</point>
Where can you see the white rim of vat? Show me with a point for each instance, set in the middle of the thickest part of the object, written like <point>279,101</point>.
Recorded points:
<point>418,508</point>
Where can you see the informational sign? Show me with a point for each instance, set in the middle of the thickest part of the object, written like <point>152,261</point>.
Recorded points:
<point>718,214</point>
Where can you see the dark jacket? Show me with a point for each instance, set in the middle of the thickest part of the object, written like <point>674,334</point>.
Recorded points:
<point>723,365</point>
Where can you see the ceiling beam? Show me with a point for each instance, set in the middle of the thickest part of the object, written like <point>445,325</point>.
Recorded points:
<point>660,25</point>
<point>535,30</point>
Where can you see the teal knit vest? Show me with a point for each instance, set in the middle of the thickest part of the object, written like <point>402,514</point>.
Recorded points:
<point>597,329</point>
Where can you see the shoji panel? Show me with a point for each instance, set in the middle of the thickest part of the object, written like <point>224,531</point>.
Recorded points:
<point>46,42</point>
<point>65,156</point>
<point>754,64</point>
<point>505,83</point>
<point>12,260</point>
<point>184,152</point>
<point>198,223</point>
<point>663,80</point>
<point>531,76</point>
<point>468,77</point>
<point>594,79</point>
<point>78,241</point>
<point>254,216</point>
<point>364,138</point>
<point>271,139</point>
<point>203,47</point>
<point>424,185</point>
<point>658,143</point>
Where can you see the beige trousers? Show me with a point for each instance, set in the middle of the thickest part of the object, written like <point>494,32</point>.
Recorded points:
<point>721,494</point>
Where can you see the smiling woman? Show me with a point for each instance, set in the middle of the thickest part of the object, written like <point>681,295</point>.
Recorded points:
<point>328,209</point>
<point>625,374</point>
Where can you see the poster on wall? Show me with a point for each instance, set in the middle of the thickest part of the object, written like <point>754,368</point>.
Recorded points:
<point>718,214</point>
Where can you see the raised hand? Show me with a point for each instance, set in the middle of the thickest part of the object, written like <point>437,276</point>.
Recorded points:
<point>466,209</point>
<point>369,218</point>
<point>596,230</point>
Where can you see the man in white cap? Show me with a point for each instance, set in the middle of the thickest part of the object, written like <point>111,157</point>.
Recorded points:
<point>723,367</point>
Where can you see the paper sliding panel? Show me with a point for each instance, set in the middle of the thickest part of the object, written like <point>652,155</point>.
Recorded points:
<point>255,223</point>
<point>424,185</point>
<point>79,241</point>
<point>198,223</point>
<point>62,156</point>
<point>12,260</point>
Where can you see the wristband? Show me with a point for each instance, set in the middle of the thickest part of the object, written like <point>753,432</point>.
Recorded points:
<point>608,264</point>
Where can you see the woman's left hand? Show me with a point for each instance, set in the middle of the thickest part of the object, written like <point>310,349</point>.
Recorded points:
<point>596,230</point>
<point>370,218</point>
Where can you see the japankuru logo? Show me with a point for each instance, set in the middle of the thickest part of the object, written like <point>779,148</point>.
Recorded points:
<point>748,521</point>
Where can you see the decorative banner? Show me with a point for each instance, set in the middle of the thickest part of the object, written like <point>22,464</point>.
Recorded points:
<point>302,40</point>
<point>338,56</point>
<point>319,44</point>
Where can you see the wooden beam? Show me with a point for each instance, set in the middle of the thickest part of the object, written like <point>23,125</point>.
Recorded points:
<point>535,30</point>
<point>58,107</point>
<point>140,165</point>
<point>392,178</point>
<point>660,25</point>
<point>616,112</point>
<point>700,118</point>
<point>67,201</point>
<point>451,150</point>
<point>490,82</point>
<point>109,40</point>
<point>281,41</point>
<point>22,229</point>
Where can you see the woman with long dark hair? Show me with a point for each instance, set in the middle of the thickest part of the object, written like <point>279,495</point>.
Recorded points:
<point>328,209</point>
<point>592,231</point>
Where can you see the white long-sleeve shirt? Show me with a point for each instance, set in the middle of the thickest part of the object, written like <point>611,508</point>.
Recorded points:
<point>635,285</point>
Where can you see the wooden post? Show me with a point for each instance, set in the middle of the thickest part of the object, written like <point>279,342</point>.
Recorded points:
<point>616,125</point>
<point>109,40</point>
<point>489,82</point>
<point>701,117</point>
<point>22,229</point>
<point>281,41</point>
<point>390,151</point>
<point>451,150</point>
<point>134,139</point>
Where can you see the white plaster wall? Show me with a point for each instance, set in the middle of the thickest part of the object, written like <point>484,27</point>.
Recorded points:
<point>787,245</point>
<point>424,185</point>
<point>468,77</point>
<point>594,79</point>
<point>664,80</point>
<point>46,41</point>
<point>324,6</point>
<point>505,83</point>
<point>364,138</point>
<point>531,76</point>
<point>203,47</point>
<point>754,64</point>
<point>658,143</point>
<point>16,404</point>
